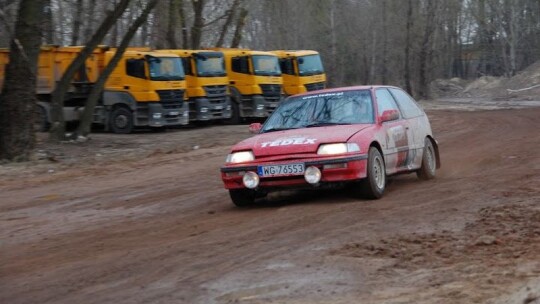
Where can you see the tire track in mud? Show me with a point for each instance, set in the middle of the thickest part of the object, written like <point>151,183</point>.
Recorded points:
<point>170,233</point>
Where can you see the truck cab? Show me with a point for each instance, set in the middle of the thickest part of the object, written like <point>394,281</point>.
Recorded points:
<point>150,85</point>
<point>207,84</point>
<point>302,71</point>
<point>254,81</point>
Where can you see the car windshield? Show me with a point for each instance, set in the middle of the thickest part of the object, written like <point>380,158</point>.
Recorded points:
<point>310,65</point>
<point>266,65</point>
<point>165,68</point>
<point>210,64</point>
<point>336,108</point>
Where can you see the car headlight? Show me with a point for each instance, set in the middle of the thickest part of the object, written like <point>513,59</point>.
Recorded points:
<point>240,157</point>
<point>329,149</point>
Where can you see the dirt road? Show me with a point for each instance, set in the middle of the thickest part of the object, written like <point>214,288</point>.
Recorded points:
<point>144,219</point>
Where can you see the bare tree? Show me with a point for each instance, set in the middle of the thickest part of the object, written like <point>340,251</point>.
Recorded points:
<point>18,98</point>
<point>57,131</point>
<point>86,119</point>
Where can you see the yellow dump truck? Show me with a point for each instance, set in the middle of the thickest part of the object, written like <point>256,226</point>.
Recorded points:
<point>254,81</point>
<point>302,71</point>
<point>145,89</point>
<point>207,84</point>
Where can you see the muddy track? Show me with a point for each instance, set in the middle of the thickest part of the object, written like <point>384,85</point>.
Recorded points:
<point>161,228</point>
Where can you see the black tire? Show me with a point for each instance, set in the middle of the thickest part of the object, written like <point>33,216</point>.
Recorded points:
<point>235,114</point>
<point>121,121</point>
<point>429,162</point>
<point>242,197</point>
<point>372,187</point>
<point>41,122</point>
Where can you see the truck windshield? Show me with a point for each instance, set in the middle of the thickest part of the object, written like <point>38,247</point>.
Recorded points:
<point>210,65</point>
<point>336,108</point>
<point>266,65</point>
<point>310,65</point>
<point>165,68</point>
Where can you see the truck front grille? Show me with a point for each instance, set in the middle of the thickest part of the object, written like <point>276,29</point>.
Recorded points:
<point>171,99</point>
<point>315,86</point>
<point>216,94</point>
<point>271,89</point>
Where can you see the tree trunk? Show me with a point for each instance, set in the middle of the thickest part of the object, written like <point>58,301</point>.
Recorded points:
<point>228,22</point>
<point>240,22</point>
<point>198,23</point>
<point>57,132</point>
<point>48,24</point>
<point>407,76</point>
<point>86,120</point>
<point>171,25</point>
<point>18,98</point>
<point>183,24</point>
<point>425,51</point>
<point>77,23</point>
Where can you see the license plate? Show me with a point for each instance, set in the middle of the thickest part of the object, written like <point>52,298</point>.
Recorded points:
<point>280,170</point>
<point>174,113</point>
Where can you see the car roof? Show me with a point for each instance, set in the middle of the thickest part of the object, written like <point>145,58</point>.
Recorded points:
<point>348,88</point>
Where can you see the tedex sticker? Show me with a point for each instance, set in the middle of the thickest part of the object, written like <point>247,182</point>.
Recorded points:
<point>289,141</point>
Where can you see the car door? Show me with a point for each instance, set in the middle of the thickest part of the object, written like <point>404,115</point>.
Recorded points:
<point>415,117</point>
<point>398,137</point>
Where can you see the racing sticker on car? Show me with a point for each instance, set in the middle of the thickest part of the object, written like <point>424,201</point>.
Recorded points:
<point>289,141</point>
<point>396,137</point>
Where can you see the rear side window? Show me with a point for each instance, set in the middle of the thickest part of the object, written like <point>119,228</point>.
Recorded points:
<point>240,64</point>
<point>408,106</point>
<point>385,101</point>
<point>135,68</point>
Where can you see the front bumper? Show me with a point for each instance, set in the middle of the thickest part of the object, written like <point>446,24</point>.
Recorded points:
<point>203,109</point>
<point>159,116</point>
<point>334,170</point>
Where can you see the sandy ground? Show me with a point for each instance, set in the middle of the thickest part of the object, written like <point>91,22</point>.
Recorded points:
<point>144,218</point>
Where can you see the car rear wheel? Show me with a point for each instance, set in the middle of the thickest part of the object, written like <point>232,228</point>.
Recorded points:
<point>429,162</point>
<point>374,184</point>
<point>242,197</point>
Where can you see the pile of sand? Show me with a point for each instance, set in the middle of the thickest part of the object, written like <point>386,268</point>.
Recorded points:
<point>523,86</point>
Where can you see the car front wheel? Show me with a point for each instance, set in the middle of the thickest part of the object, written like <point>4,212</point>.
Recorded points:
<point>242,197</point>
<point>375,182</point>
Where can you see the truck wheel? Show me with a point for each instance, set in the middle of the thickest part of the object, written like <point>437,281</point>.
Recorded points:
<point>375,182</point>
<point>429,163</point>
<point>235,114</point>
<point>242,197</point>
<point>121,121</point>
<point>41,123</point>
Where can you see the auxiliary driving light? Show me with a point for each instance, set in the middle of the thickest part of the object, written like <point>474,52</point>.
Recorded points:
<point>260,107</point>
<point>312,175</point>
<point>204,110</point>
<point>251,180</point>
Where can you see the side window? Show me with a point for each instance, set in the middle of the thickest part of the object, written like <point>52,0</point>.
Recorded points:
<point>186,62</point>
<point>135,68</point>
<point>385,101</point>
<point>286,66</point>
<point>240,64</point>
<point>408,107</point>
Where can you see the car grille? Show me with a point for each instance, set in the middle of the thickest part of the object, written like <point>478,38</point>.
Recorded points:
<point>171,99</point>
<point>271,90</point>
<point>315,86</point>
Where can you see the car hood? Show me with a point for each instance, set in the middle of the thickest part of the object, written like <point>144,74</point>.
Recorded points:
<point>305,140</point>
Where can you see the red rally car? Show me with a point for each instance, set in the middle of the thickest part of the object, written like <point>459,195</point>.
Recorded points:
<point>353,136</point>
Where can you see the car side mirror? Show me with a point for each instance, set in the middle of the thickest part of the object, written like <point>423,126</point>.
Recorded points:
<point>389,115</point>
<point>255,128</point>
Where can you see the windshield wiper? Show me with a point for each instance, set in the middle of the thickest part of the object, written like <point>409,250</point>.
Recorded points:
<point>325,123</point>
<point>277,129</point>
